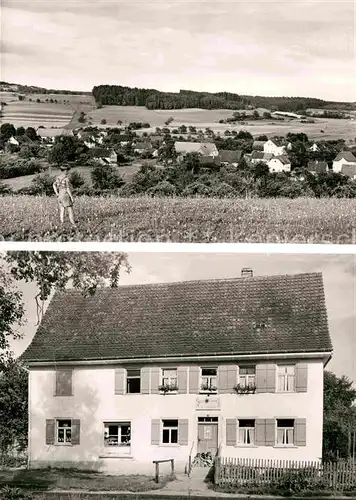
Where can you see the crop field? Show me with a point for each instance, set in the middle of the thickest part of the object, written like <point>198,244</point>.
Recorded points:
<point>302,220</point>
<point>322,129</point>
<point>33,114</point>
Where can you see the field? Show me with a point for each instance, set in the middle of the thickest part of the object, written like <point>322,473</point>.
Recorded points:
<point>33,114</point>
<point>322,129</point>
<point>301,220</point>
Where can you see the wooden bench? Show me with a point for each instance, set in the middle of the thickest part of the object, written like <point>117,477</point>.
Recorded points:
<point>157,462</point>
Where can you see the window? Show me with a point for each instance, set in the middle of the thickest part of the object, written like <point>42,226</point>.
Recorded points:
<point>247,376</point>
<point>208,380</point>
<point>64,431</point>
<point>286,376</point>
<point>285,431</point>
<point>117,434</point>
<point>169,377</point>
<point>246,432</point>
<point>133,381</point>
<point>170,432</point>
<point>63,385</point>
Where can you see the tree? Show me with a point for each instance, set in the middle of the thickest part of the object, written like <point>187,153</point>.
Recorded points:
<point>31,133</point>
<point>20,131</point>
<point>7,130</point>
<point>66,149</point>
<point>13,406</point>
<point>106,177</point>
<point>43,184</point>
<point>103,121</point>
<point>339,415</point>
<point>76,179</point>
<point>50,271</point>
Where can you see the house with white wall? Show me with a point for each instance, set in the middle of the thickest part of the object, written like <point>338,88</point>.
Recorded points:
<point>276,146</point>
<point>342,159</point>
<point>159,371</point>
<point>279,164</point>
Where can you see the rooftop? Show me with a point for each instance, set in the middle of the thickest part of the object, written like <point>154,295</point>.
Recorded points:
<point>189,318</point>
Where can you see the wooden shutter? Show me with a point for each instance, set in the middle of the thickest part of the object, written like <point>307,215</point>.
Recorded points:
<point>301,377</point>
<point>183,431</point>
<point>155,431</point>
<point>227,378</point>
<point>300,432</point>
<point>64,382</point>
<point>119,381</point>
<point>50,430</point>
<point>270,432</point>
<point>271,378</point>
<point>261,378</point>
<point>145,380</point>
<point>182,376</point>
<point>194,379</point>
<point>231,431</point>
<point>75,431</point>
<point>155,379</point>
<point>260,432</point>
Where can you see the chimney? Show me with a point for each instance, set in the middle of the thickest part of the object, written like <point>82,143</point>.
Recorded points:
<point>246,272</point>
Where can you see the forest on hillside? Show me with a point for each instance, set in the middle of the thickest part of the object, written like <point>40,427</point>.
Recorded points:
<point>155,99</point>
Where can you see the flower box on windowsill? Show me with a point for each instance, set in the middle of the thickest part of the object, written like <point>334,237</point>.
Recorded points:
<point>248,389</point>
<point>208,389</point>
<point>168,389</point>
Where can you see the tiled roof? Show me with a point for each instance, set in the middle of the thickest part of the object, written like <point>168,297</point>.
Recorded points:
<point>100,152</point>
<point>345,155</point>
<point>283,159</point>
<point>230,155</point>
<point>317,166</point>
<point>349,170</point>
<point>207,317</point>
<point>205,148</point>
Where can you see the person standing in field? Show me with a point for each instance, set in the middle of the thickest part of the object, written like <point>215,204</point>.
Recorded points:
<point>61,187</point>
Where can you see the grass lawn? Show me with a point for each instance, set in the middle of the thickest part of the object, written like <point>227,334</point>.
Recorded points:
<point>184,220</point>
<point>66,479</point>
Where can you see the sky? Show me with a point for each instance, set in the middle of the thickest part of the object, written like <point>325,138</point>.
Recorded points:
<point>279,47</point>
<point>339,276</point>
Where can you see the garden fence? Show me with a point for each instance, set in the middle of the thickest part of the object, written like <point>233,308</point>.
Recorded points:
<point>336,476</point>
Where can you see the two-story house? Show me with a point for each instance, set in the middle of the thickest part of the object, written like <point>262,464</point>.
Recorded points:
<point>148,372</point>
<point>276,146</point>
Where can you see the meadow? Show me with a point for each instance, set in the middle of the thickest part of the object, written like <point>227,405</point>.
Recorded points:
<point>144,219</point>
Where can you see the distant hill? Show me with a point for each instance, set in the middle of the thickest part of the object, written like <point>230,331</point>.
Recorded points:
<point>155,99</point>
<point>31,89</point>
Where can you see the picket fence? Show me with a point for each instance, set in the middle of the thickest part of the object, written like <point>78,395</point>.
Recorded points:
<point>336,476</point>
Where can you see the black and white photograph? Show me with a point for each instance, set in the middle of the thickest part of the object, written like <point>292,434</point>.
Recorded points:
<point>178,374</point>
<point>178,121</point>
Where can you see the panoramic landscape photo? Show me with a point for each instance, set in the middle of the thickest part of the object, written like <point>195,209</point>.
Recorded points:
<point>179,122</point>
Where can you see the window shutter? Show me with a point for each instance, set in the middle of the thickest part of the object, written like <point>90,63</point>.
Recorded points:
<point>155,431</point>
<point>194,378</point>
<point>261,378</point>
<point>270,432</point>
<point>50,430</point>
<point>182,376</point>
<point>301,377</point>
<point>271,378</point>
<point>231,430</point>
<point>260,430</point>
<point>183,431</point>
<point>64,382</point>
<point>155,379</point>
<point>145,380</point>
<point>75,431</point>
<point>300,432</point>
<point>227,378</point>
<point>119,381</point>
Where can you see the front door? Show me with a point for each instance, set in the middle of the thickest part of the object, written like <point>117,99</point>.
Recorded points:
<point>207,435</point>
